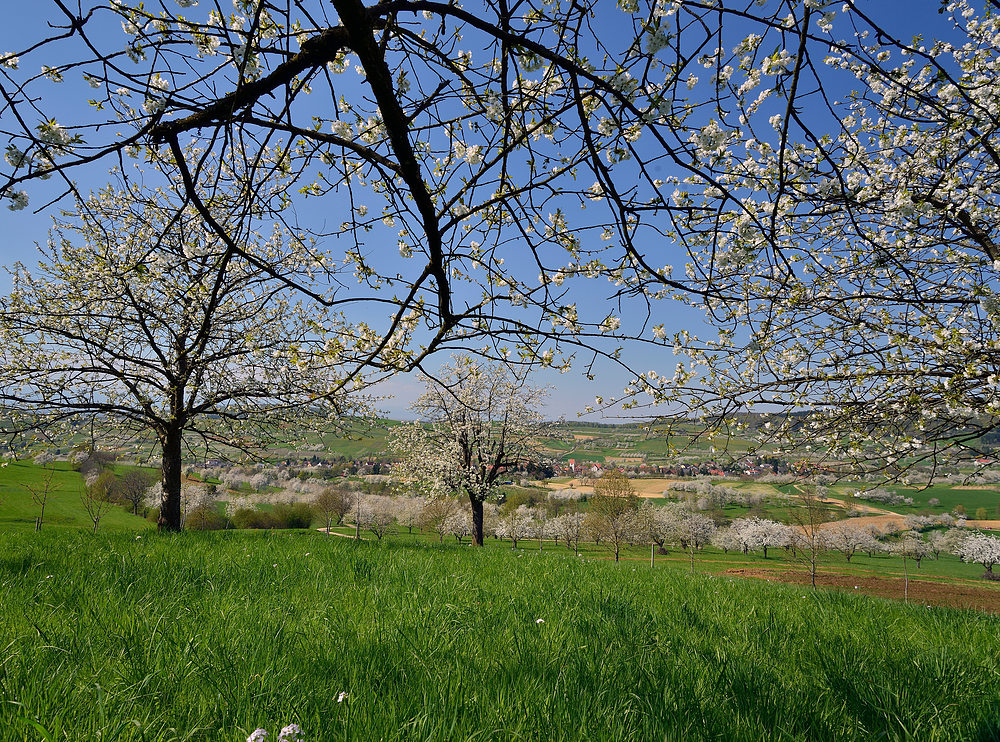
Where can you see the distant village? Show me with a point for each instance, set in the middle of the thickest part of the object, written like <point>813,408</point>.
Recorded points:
<point>634,466</point>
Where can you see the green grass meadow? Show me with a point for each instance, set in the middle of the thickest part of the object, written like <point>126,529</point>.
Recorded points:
<point>125,637</point>
<point>948,496</point>
<point>63,509</point>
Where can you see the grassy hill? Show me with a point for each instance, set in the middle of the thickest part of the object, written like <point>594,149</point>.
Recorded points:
<point>656,442</point>
<point>207,637</point>
<point>63,509</point>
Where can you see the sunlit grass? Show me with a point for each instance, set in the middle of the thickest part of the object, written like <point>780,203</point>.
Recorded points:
<point>63,509</point>
<point>209,636</point>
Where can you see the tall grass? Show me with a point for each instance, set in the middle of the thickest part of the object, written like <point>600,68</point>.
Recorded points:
<point>208,636</point>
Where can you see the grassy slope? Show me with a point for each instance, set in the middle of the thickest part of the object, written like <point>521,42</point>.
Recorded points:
<point>970,498</point>
<point>63,510</point>
<point>716,561</point>
<point>205,637</point>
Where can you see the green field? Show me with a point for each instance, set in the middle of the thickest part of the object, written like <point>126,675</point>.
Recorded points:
<point>208,636</point>
<point>63,510</point>
<point>714,561</point>
<point>949,496</point>
<point>658,443</point>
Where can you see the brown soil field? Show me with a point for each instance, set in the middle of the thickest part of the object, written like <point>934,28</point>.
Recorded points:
<point>643,487</point>
<point>887,522</point>
<point>940,592</point>
<point>988,525</point>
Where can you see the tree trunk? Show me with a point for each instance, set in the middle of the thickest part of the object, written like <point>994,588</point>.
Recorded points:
<point>170,501</point>
<point>477,520</point>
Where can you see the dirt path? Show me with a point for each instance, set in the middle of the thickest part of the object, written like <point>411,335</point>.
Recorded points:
<point>887,522</point>
<point>843,503</point>
<point>922,591</point>
<point>343,535</point>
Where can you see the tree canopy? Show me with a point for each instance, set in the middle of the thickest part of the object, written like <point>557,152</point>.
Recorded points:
<point>139,319</point>
<point>820,184</point>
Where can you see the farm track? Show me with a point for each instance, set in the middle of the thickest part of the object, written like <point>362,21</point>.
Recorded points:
<point>343,535</point>
<point>937,591</point>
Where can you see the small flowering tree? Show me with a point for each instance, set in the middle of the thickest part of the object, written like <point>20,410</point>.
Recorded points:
<point>408,512</point>
<point>459,524</point>
<point>436,513</point>
<point>478,421</point>
<point>132,489</point>
<point>515,523</point>
<point>940,541</point>
<point>570,528</point>
<point>333,503</point>
<point>694,531</point>
<point>41,490</point>
<point>377,513</point>
<point>910,546</point>
<point>806,537</point>
<point>759,533</point>
<point>980,549</point>
<point>847,538</point>
<point>612,510</point>
<point>96,496</point>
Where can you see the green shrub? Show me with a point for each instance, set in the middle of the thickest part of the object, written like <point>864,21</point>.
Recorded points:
<point>295,515</point>
<point>206,518</point>
<point>253,518</point>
